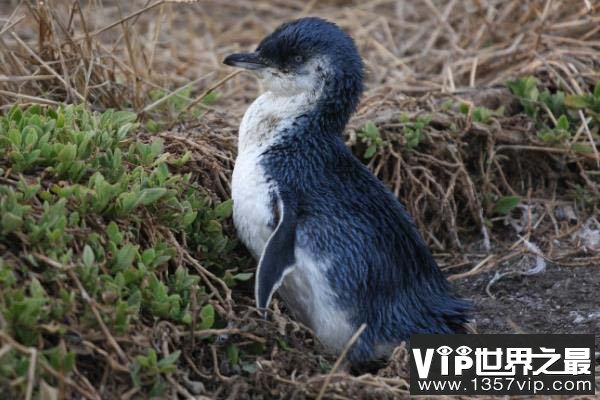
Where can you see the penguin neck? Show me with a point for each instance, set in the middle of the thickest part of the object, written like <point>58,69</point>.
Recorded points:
<point>336,103</point>
<point>320,113</point>
<point>272,115</point>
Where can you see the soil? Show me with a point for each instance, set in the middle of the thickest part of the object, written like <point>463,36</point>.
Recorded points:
<point>558,300</point>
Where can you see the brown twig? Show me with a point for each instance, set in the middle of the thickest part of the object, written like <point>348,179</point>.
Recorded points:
<point>339,360</point>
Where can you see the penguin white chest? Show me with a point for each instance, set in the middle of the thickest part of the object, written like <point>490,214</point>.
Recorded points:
<point>251,189</point>
<point>252,211</point>
<point>305,290</point>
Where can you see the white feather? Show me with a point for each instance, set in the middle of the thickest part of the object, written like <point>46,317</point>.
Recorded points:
<point>306,291</point>
<point>250,189</point>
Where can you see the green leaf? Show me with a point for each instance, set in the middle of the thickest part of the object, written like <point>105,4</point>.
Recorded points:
<point>446,105</point>
<point>582,148</point>
<point>152,357</point>
<point>370,152</point>
<point>7,276</point>
<point>244,276</point>
<point>15,113</point>
<point>210,98</point>
<point>283,345</point>
<point>121,322</point>
<point>11,222</point>
<point>152,126</point>
<point>31,137</point>
<point>123,117</point>
<point>481,114</point>
<point>124,131</point>
<point>562,123</point>
<point>60,120</point>
<point>142,361</point>
<point>135,373</point>
<point>189,218</point>
<point>464,108</point>
<point>125,256</point>
<point>130,200</point>
<point>167,364</point>
<point>526,89</point>
<point>233,354</point>
<point>36,289</point>
<point>158,389</point>
<point>14,136</point>
<point>506,204</point>
<point>148,256</point>
<point>224,210</point>
<point>112,231</point>
<point>68,362</point>
<point>156,147</point>
<point>555,102</point>
<point>68,153</point>
<point>187,156</point>
<point>576,101</point>
<point>88,256</point>
<point>371,129</point>
<point>213,226</point>
<point>149,196</point>
<point>208,316</point>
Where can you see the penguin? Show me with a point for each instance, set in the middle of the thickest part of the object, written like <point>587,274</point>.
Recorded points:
<point>329,237</point>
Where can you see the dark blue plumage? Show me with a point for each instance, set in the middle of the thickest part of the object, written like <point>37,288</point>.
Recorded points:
<point>379,268</point>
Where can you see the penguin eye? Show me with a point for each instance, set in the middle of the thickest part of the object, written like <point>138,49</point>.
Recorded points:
<point>298,59</point>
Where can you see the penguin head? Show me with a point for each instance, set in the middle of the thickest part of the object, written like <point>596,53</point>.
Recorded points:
<point>308,55</point>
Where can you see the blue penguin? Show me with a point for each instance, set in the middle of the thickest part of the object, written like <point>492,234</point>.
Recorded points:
<point>329,237</point>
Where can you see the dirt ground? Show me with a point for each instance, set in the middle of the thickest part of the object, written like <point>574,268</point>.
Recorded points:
<point>558,300</point>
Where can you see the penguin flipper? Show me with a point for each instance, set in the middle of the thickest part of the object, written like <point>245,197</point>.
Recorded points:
<point>277,259</point>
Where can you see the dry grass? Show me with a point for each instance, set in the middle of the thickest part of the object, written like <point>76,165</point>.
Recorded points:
<point>418,54</point>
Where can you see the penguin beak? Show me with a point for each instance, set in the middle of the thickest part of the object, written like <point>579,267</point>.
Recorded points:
<point>251,61</point>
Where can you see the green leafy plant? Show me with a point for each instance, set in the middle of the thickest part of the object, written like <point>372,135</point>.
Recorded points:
<point>554,101</point>
<point>506,204</point>
<point>24,310</point>
<point>526,89</point>
<point>148,371</point>
<point>84,200</point>
<point>233,354</point>
<point>558,134</point>
<point>590,102</point>
<point>371,136</point>
<point>480,114</point>
<point>413,129</point>
<point>557,115</point>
